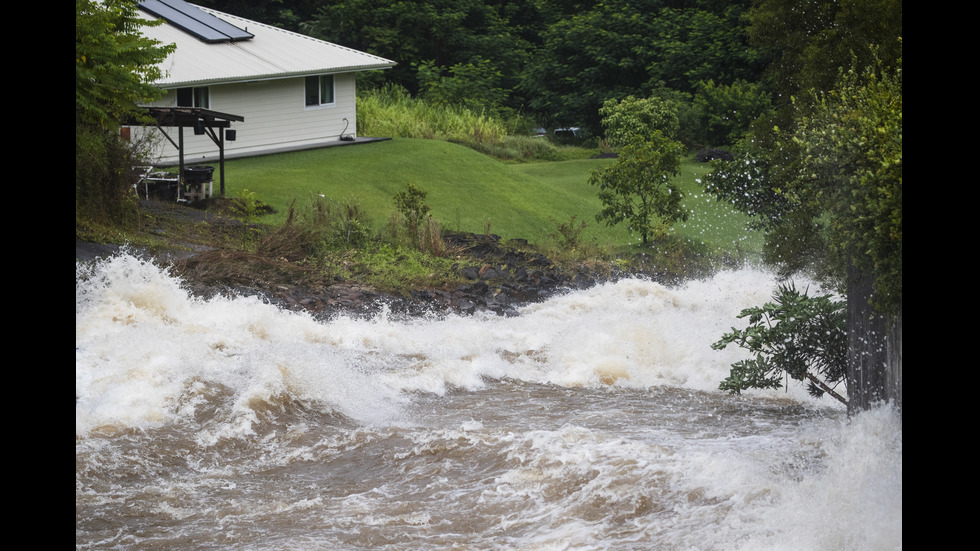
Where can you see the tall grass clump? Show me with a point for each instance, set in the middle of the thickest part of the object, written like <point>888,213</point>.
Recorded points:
<point>342,222</point>
<point>337,240</point>
<point>391,111</point>
<point>424,235</point>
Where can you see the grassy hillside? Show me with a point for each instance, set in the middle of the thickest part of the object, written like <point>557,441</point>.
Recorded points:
<point>467,191</point>
<point>716,224</point>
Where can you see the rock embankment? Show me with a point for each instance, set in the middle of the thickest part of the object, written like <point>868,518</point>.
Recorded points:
<point>499,277</point>
<point>503,276</point>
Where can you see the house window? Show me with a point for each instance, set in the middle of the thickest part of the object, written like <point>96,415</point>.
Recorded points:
<point>319,90</point>
<point>193,97</point>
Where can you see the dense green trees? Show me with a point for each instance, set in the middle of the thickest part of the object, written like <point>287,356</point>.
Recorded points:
<point>442,36</point>
<point>115,66</point>
<point>815,39</point>
<point>823,175</point>
<point>637,47</point>
<point>555,60</point>
<point>285,14</point>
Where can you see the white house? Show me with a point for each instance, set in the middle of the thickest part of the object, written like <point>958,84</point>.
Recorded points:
<point>293,91</point>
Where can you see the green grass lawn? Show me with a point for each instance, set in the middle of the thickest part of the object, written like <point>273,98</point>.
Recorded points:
<point>467,191</point>
<point>715,223</point>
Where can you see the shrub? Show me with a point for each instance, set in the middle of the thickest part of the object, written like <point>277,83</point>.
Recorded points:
<point>638,118</point>
<point>726,112</point>
<point>804,337</point>
<point>410,204</point>
<point>569,233</point>
<point>423,230</point>
<point>104,192</point>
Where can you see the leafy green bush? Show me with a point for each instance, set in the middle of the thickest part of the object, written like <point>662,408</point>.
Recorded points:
<point>638,118</point>
<point>802,336</point>
<point>725,113</point>
<point>410,204</point>
<point>569,233</point>
<point>423,230</point>
<point>104,193</point>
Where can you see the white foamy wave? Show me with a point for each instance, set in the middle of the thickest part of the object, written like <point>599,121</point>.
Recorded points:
<point>634,333</point>
<point>835,485</point>
<point>144,344</point>
<point>853,502</point>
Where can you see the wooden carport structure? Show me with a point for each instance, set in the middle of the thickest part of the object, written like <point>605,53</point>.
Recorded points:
<point>204,121</point>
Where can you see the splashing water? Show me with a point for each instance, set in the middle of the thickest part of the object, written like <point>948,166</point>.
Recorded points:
<point>590,421</point>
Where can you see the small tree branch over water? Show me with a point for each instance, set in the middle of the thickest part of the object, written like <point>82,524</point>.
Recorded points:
<point>802,336</point>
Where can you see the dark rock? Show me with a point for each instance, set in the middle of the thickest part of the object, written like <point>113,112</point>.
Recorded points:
<point>501,276</point>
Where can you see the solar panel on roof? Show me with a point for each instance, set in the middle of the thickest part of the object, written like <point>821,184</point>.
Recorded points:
<point>194,21</point>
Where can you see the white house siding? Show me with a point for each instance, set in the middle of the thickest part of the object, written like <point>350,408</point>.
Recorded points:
<point>276,119</point>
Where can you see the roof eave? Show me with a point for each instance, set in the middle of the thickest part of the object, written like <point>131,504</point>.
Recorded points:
<point>272,76</point>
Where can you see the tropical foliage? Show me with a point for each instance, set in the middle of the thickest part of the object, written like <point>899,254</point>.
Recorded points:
<point>637,188</point>
<point>851,170</point>
<point>553,60</point>
<point>633,118</point>
<point>823,173</point>
<point>796,335</point>
<point>115,65</point>
<point>114,70</point>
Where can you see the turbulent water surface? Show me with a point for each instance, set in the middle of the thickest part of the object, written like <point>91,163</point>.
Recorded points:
<point>590,421</point>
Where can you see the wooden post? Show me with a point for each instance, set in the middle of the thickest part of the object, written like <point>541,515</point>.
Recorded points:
<point>180,161</point>
<point>221,159</point>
